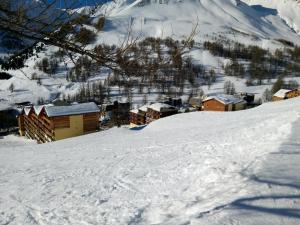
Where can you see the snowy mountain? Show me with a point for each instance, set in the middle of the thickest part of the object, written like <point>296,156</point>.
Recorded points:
<point>288,10</point>
<point>195,168</point>
<point>230,18</point>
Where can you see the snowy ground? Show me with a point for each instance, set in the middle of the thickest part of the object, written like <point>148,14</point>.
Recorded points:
<point>275,198</point>
<point>195,168</point>
<point>9,141</point>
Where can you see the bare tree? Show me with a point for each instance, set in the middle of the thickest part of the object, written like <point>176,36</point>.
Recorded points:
<point>56,23</point>
<point>43,21</point>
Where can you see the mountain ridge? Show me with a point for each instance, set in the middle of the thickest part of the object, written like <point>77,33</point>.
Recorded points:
<point>288,10</point>
<point>176,19</point>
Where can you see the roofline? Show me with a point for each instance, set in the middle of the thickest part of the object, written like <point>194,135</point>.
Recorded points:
<point>74,114</point>
<point>296,89</point>
<point>32,110</point>
<point>215,98</point>
<point>287,91</point>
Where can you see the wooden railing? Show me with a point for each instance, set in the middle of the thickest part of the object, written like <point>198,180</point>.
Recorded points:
<point>38,129</point>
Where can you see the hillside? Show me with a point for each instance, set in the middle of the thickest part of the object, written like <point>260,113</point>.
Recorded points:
<point>195,168</point>
<point>224,21</point>
<point>288,10</point>
<point>231,18</point>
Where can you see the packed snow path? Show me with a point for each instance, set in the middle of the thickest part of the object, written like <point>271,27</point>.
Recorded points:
<point>275,197</point>
<point>196,168</point>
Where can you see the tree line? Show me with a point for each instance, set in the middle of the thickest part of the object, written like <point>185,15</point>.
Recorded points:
<point>255,63</point>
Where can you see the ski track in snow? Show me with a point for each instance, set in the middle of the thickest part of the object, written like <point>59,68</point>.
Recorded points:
<point>184,169</point>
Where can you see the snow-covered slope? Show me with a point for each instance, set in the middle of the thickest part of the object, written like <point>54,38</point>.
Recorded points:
<point>195,168</point>
<point>288,10</point>
<point>230,18</point>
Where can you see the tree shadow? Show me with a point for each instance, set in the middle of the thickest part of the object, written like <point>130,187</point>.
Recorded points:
<point>20,90</point>
<point>249,204</point>
<point>279,174</point>
<point>276,182</point>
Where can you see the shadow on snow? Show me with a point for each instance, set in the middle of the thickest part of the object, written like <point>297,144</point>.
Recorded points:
<point>281,175</point>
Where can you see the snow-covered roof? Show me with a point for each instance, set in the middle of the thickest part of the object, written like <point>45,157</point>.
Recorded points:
<point>225,99</point>
<point>134,111</point>
<point>27,110</point>
<point>281,93</point>
<point>90,107</point>
<point>144,108</point>
<point>38,109</point>
<point>160,107</point>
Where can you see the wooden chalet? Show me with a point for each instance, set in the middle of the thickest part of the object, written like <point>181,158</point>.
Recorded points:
<point>138,116</point>
<point>223,103</point>
<point>52,123</point>
<point>159,110</point>
<point>283,94</point>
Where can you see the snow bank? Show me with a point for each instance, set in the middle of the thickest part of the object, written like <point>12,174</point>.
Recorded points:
<point>178,170</point>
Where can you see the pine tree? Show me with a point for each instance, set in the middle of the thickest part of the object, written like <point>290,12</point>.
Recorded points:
<point>11,87</point>
<point>145,99</point>
<point>229,88</point>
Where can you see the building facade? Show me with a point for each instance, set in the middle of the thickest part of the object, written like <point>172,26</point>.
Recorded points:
<point>52,123</point>
<point>159,110</point>
<point>223,103</point>
<point>283,94</point>
<point>138,116</point>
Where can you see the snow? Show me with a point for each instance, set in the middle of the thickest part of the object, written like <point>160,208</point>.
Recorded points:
<point>134,111</point>
<point>275,194</point>
<point>38,109</point>
<point>288,10</point>
<point>281,93</point>
<point>226,99</point>
<point>27,110</point>
<point>144,108</point>
<point>82,108</point>
<point>194,168</point>
<point>9,141</point>
<point>160,107</point>
<point>177,19</point>
<point>4,105</point>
